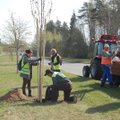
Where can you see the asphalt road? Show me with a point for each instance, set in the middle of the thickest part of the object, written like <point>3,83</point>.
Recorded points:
<point>75,68</point>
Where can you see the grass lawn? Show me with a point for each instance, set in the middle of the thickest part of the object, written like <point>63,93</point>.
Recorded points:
<point>94,103</point>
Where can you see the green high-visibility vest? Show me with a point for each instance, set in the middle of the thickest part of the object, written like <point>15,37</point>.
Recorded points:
<point>25,68</point>
<point>56,67</point>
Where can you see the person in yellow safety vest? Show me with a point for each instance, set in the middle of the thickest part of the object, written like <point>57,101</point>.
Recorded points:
<point>60,82</point>
<point>106,66</point>
<point>56,60</point>
<point>26,71</point>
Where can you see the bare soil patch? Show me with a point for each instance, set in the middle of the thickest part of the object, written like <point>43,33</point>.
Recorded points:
<point>15,95</point>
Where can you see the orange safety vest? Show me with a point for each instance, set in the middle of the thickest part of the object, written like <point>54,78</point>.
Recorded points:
<point>106,60</point>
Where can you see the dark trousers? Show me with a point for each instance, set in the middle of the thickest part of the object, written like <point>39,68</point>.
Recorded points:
<point>26,82</point>
<point>52,92</point>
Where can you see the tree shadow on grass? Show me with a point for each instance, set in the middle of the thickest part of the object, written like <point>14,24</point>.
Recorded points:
<point>112,92</point>
<point>79,79</point>
<point>104,108</point>
<point>80,94</point>
<point>34,103</point>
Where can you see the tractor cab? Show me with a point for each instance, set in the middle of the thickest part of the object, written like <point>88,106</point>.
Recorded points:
<point>95,69</point>
<point>111,40</point>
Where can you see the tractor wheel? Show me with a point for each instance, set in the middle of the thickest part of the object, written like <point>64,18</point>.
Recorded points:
<point>116,80</point>
<point>96,70</point>
<point>86,71</point>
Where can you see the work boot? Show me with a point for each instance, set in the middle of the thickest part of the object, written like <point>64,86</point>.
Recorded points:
<point>72,99</point>
<point>29,93</point>
<point>23,91</point>
<point>111,84</point>
<point>44,100</point>
<point>102,84</point>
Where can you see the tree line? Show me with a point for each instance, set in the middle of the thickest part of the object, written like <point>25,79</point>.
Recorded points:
<point>69,41</point>
<point>94,18</point>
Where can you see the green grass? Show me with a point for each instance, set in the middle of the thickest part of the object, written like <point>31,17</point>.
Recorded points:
<point>94,103</point>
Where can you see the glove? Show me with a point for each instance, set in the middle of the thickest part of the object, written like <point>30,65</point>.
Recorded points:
<point>50,63</point>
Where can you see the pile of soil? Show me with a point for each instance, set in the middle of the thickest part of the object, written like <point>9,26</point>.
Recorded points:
<point>15,95</point>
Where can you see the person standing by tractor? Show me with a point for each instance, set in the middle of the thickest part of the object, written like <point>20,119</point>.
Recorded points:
<point>56,60</point>
<point>106,66</point>
<point>26,70</point>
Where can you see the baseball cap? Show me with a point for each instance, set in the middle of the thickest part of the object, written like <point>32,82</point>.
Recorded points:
<point>48,71</point>
<point>106,46</point>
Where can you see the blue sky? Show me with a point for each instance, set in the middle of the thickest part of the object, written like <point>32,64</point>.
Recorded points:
<point>62,10</point>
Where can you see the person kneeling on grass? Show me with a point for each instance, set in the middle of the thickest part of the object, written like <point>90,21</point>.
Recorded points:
<point>60,82</point>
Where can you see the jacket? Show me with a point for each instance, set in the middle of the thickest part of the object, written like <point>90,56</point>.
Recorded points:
<point>106,57</point>
<point>56,61</point>
<point>59,79</point>
<point>26,71</point>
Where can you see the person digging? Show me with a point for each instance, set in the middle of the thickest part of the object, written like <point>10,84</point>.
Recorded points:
<point>60,83</point>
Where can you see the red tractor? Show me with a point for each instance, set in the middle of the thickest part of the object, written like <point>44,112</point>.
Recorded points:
<point>95,69</point>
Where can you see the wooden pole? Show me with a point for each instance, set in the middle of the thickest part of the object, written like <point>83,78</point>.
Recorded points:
<point>38,55</point>
<point>40,49</point>
<point>40,36</point>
